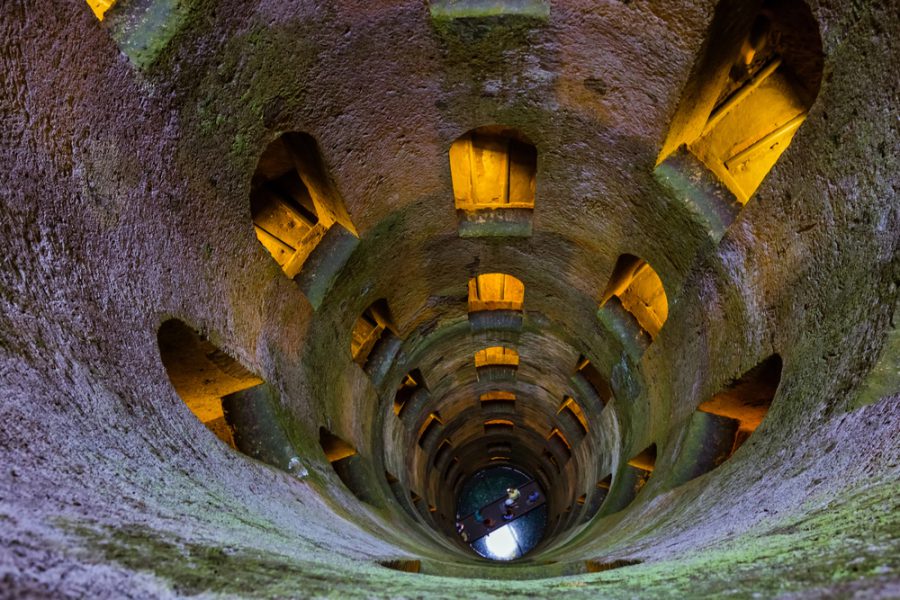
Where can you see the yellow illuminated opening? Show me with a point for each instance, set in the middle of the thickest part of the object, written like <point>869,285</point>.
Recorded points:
<point>433,420</point>
<point>570,405</point>
<point>496,355</point>
<point>334,447</point>
<point>493,167</point>
<point>555,432</point>
<point>368,329</point>
<point>646,459</point>
<point>499,423</point>
<point>495,291</point>
<point>498,396</point>
<point>100,7</point>
<point>749,109</point>
<point>640,291</point>
<point>748,399</point>
<point>411,383</point>
<point>748,131</point>
<point>293,201</point>
<point>202,374</point>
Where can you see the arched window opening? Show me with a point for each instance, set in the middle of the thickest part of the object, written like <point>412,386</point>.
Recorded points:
<point>202,375</point>
<point>590,386</point>
<point>493,167</point>
<point>751,91</point>
<point>368,331</point>
<point>645,460</point>
<point>581,499</point>
<point>347,464</point>
<point>570,407</point>
<point>496,355</point>
<point>411,384</point>
<point>296,210</point>
<point>494,174</point>
<point>641,292</point>
<point>497,396</point>
<point>443,452</point>
<point>559,445</point>
<point>492,426</point>
<point>641,467</point>
<point>334,447</point>
<point>100,7</point>
<point>747,400</point>
<point>429,429</point>
<point>598,497</point>
<point>498,402</point>
<point>495,291</point>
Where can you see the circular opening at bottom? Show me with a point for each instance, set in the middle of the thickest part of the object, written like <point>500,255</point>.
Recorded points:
<point>501,513</point>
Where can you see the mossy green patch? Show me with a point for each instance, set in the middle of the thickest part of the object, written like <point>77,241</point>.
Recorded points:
<point>143,28</point>
<point>463,9</point>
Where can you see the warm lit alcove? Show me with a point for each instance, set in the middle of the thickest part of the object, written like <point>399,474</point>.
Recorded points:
<point>574,415</point>
<point>495,291</point>
<point>559,445</point>
<point>298,214</point>
<point>347,464</point>
<point>724,422</point>
<point>644,460</point>
<point>640,291</point>
<point>430,429</point>
<point>498,402</point>
<point>371,326</point>
<point>412,384</point>
<point>202,374</point>
<point>496,355</point>
<point>750,91</point>
<point>494,173</point>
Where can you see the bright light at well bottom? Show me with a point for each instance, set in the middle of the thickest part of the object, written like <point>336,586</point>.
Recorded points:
<point>501,544</point>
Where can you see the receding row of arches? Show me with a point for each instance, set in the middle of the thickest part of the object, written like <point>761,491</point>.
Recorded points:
<point>762,94</point>
<point>214,386</point>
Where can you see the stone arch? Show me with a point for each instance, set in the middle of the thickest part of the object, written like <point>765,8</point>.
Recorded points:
<point>749,92</point>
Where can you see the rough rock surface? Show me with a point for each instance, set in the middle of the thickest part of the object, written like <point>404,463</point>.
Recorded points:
<point>124,202</point>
